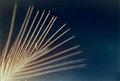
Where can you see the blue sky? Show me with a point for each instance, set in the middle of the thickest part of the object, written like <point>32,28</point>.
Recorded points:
<point>95,24</point>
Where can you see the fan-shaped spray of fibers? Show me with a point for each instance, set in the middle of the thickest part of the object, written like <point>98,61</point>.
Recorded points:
<point>27,58</point>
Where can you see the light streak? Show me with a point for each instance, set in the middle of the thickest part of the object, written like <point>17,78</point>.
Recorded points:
<point>26,57</point>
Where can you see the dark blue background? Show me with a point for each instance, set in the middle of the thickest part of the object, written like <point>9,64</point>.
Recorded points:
<point>95,24</point>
